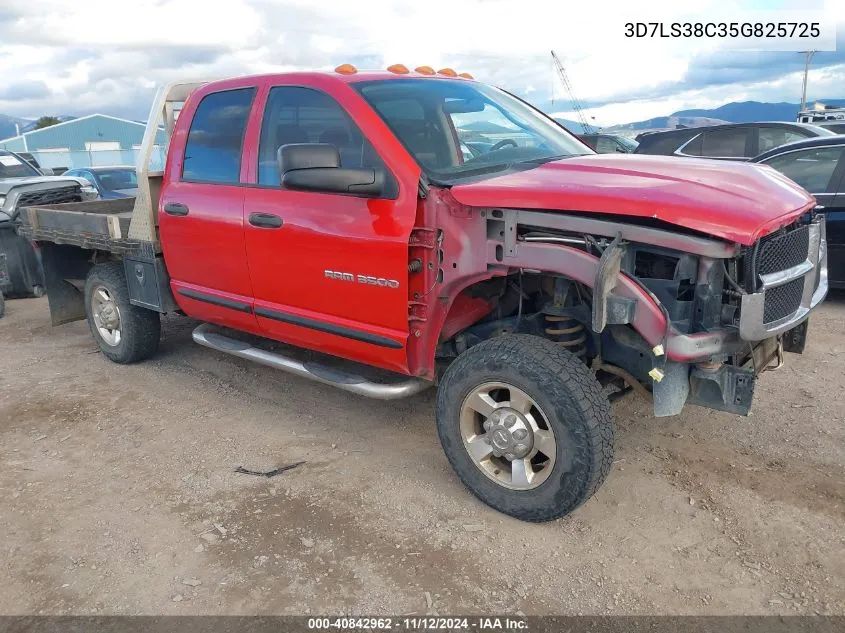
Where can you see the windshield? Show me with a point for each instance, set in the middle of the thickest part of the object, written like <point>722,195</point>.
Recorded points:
<point>11,166</point>
<point>117,179</point>
<point>458,129</point>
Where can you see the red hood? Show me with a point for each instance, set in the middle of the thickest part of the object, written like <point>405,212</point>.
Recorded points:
<point>732,200</point>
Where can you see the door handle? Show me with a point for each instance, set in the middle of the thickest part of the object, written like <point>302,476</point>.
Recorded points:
<point>265,220</point>
<point>176,208</point>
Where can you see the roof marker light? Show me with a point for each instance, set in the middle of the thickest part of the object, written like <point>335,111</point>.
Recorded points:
<point>466,76</point>
<point>346,69</point>
<point>448,72</point>
<point>399,69</point>
<point>424,70</point>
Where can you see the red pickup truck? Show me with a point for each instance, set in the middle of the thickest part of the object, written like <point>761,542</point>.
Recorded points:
<point>421,228</point>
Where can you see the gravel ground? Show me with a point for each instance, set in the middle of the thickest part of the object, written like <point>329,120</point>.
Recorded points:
<point>119,495</point>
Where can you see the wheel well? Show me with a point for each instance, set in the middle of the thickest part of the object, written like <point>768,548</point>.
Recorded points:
<point>517,302</point>
<point>549,306</point>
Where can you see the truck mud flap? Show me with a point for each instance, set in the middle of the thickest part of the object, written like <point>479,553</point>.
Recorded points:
<point>672,391</point>
<point>65,269</point>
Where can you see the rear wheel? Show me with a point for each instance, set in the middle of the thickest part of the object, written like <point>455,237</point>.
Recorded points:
<point>525,426</point>
<point>124,332</point>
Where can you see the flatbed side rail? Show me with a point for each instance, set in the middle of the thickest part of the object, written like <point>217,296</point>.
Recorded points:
<point>98,225</point>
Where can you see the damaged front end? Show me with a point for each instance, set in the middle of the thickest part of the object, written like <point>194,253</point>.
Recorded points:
<point>774,285</point>
<point>673,314</point>
<point>755,305</point>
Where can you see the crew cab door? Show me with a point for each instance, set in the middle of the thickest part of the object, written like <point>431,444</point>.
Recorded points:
<point>201,210</point>
<point>329,270</point>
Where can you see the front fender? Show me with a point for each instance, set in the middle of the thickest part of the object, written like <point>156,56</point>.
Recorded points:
<point>479,244</point>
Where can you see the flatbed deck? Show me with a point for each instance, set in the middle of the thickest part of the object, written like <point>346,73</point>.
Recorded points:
<point>99,224</point>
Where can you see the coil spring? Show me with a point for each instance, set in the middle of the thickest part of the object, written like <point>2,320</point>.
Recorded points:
<point>569,333</point>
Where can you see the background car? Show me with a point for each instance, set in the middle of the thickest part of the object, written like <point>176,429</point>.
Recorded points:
<point>30,159</point>
<point>818,165</point>
<point>22,184</point>
<point>735,141</point>
<point>609,143</point>
<point>110,182</point>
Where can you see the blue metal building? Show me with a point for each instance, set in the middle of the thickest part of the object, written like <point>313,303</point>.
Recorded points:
<point>96,139</point>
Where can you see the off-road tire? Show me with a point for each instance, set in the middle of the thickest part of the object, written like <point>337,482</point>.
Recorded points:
<point>140,328</point>
<point>565,389</point>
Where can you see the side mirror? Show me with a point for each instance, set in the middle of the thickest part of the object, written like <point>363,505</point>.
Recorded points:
<point>316,167</point>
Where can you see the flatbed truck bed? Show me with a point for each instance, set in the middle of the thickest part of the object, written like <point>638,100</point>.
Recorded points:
<point>95,225</point>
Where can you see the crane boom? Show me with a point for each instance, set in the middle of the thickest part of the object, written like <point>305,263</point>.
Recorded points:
<point>576,104</point>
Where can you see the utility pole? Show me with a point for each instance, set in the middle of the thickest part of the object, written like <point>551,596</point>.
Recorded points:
<point>808,55</point>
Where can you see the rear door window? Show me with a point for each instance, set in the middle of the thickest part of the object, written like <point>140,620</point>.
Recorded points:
<point>724,143</point>
<point>216,136</point>
<point>771,137</point>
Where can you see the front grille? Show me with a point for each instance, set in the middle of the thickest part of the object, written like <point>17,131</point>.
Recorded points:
<point>50,196</point>
<point>782,279</point>
<point>783,251</point>
<point>782,301</point>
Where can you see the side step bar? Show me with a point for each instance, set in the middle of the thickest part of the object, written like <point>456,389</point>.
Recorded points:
<point>207,336</point>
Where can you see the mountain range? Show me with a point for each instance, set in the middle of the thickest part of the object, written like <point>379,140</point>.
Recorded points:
<point>7,124</point>
<point>734,112</point>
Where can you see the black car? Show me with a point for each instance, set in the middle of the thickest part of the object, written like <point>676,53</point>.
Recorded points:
<point>110,182</point>
<point>609,143</point>
<point>735,141</point>
<point>818,165</point>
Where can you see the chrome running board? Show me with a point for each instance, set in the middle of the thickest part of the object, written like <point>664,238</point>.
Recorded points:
<point>207,336</point>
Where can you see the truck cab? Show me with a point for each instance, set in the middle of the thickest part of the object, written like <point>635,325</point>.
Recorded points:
<point>418,229</point>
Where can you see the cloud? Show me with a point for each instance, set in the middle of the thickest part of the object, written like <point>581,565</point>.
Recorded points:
<point>71,57</point>
<point>22,90</point>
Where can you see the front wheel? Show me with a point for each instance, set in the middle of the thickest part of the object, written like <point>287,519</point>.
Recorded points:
<point>124,332</point>
<point>526,427</point>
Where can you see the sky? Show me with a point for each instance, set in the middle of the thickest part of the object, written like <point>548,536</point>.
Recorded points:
<point>75,57</point>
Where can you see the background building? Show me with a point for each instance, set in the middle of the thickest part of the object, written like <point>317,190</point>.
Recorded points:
<point>96,139</point>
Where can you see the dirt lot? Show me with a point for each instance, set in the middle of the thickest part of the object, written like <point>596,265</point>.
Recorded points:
<point>119,495</point>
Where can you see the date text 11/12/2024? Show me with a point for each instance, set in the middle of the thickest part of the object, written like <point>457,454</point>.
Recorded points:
<point>426,623</point>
